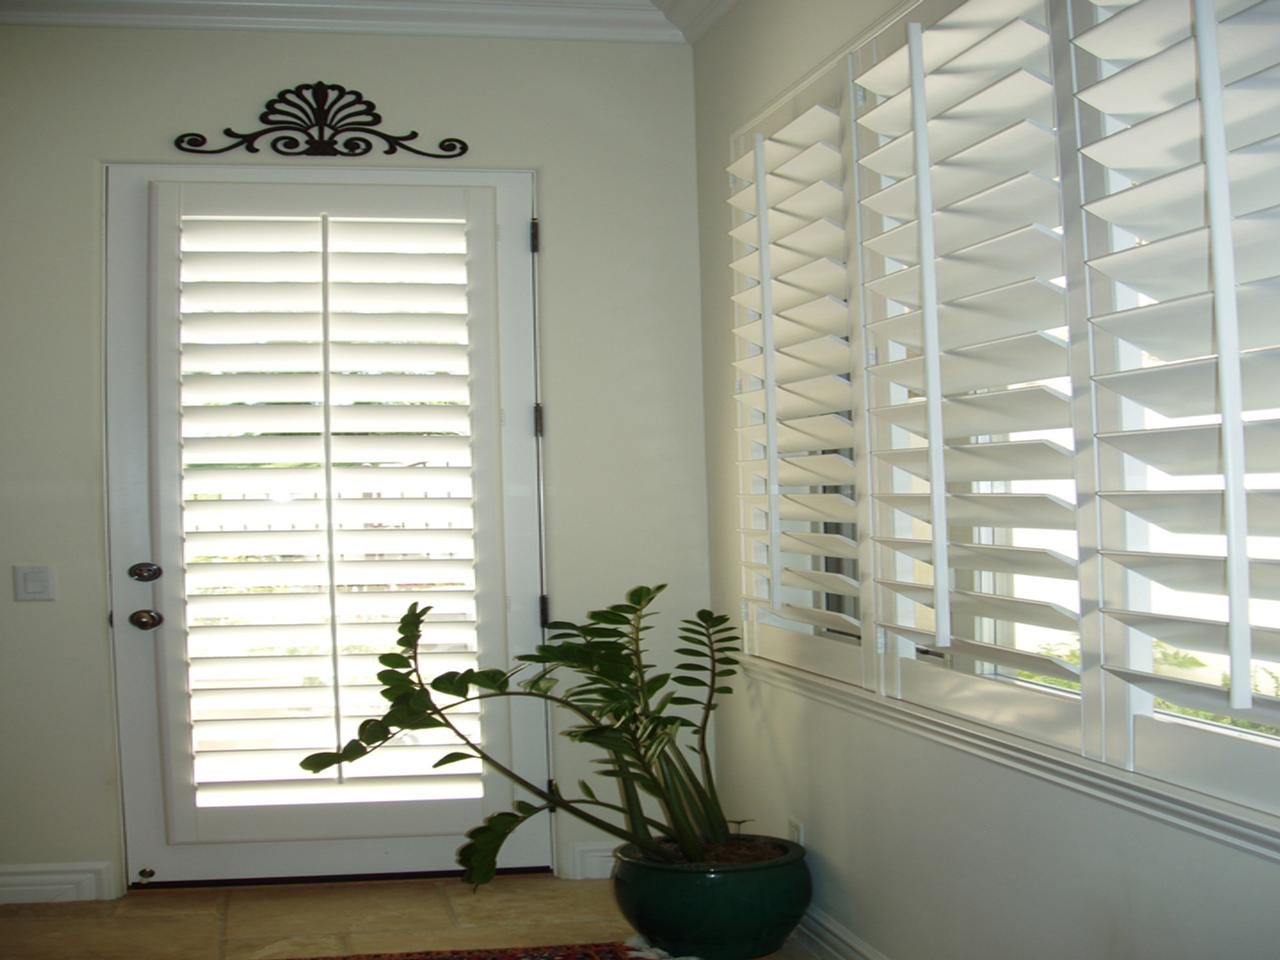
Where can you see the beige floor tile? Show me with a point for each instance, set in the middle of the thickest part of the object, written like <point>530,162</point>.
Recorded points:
<point>315,909</point>
<point>483,938</point>
<point>136,938</point>
<point>197,901</point>
<point>273,948</point>
<point>538,899</point>
<point>72,909</point>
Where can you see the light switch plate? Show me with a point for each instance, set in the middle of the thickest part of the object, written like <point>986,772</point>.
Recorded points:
<point>32,582</point>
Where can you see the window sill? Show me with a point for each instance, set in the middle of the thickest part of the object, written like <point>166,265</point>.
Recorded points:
<point>1231,824</point>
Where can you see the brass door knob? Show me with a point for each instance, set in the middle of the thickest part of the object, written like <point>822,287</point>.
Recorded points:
<point>146,619</point>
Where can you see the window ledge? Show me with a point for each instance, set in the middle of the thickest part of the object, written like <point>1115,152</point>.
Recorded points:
<point>1236,826</point>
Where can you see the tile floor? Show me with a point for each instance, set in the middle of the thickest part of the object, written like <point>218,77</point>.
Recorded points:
<point>317,920</point>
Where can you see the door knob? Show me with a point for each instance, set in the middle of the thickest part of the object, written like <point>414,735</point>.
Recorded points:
<point>146,619</point>
<point>145,571</point>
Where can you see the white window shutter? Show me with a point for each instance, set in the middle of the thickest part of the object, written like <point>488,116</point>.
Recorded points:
<point>969,318</point>
<point>326,482</point>
<point>797,379</point>
<point>1059,392</point>
<point>1186,117</point>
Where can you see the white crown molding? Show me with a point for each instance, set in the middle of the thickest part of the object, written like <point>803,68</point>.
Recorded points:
<point>627,20</point>
<point>694,17</point>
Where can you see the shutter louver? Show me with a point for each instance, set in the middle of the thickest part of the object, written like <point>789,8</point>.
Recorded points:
<point>980,335</point>
<point>1186,351</point>
<point>796,376</point>
<point>326,483</point>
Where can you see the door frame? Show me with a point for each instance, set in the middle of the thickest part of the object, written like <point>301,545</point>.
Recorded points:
<point>137,681</point>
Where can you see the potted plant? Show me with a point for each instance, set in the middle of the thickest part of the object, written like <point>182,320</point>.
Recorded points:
<point>683,877</point>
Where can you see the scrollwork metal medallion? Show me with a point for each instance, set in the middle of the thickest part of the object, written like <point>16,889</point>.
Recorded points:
<point>320,120</point>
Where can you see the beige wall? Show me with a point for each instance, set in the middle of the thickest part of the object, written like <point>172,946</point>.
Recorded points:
<point>922,851</point>
<point>607,127</point>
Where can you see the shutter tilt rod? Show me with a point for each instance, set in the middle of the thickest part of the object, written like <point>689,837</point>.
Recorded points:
<point>1226,332</point>
<point>932,349</point>
<point>770,376</point>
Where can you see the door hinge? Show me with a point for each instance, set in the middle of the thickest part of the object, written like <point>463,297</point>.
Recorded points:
<point>539,421</point>
<point>544,610</point>
<point>535,239</point>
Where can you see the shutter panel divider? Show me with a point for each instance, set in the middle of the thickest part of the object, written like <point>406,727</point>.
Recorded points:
<point>330,526</point>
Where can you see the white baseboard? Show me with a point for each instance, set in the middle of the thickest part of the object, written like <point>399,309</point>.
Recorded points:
<point>828,940</point>
<point>43,882</point>
<point>590,861</point>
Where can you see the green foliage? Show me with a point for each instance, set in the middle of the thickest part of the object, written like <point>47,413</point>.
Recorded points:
<point>478,857</point>
<point>1170,658</point>
<point>597,672</point>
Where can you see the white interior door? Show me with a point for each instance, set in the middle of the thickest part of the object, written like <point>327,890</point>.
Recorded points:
<point>320,391</point>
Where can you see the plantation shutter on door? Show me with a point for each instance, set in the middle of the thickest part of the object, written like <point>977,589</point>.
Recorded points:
<point>1186,112</point>
<point>796,392</point>
<point>326,482</point>
<point>972,467</point>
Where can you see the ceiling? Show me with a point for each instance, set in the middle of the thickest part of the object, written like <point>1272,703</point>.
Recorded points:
<point>661,21</point>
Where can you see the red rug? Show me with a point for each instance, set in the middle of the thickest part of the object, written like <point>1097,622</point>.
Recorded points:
<point>581,951</point>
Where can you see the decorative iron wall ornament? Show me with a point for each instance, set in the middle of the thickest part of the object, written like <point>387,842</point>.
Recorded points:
<point>320,120</point>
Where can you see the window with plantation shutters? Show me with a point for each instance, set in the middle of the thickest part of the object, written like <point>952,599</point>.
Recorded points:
<point>971,459</point>
<point>796,392</point>
<point>1059,223</point>
<point>1182,121</point>
<point>326,480</point>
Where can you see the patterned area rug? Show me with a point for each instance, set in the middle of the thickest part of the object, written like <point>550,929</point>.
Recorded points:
<point>581,951</point>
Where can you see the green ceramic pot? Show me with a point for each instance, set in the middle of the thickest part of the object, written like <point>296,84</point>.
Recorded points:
<point>731,912</point>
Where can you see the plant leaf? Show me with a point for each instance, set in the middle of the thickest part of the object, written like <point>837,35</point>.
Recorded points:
<point>452,683</point>
<point>609,616</point>
<point>374,731</point>
<point>452,758</point>
<point>478,857</point>
<point>319,761</point>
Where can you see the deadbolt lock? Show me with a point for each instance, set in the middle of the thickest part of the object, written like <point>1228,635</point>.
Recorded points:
<point>145,571</point>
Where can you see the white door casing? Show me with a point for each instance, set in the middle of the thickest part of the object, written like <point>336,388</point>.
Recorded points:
<point>169,834</point>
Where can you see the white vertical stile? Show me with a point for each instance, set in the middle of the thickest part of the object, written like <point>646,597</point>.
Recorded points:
<point>932,350</point>
<point>770,380</point>
<point>1227,344</point>
<point>1080,352</point>
<point>163,346</point>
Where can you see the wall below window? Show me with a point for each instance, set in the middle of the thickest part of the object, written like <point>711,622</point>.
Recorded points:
<point>922,850</point>
<point>608,128</point>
